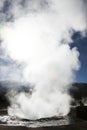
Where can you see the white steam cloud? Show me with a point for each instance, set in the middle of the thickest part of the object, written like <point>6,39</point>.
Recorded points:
<point>40,38</point>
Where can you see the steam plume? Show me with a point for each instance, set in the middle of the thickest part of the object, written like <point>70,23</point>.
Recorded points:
<point>40,37</point>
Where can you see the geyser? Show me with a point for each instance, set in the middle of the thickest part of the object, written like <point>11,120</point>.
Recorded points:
<point>40,38</point>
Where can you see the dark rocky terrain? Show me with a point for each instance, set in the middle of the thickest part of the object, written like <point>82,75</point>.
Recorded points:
<point>6,87</point>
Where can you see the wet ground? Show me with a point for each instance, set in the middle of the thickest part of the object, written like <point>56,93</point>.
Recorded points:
<point>45,122</point>
<point>75,126</point>
<point>58,123</point>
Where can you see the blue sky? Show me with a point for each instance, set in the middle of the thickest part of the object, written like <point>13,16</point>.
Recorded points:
<point>81,44</point>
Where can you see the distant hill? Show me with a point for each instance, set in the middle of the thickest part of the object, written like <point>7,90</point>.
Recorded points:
<point>6,86</point>
<point>77,91</point>
<point>12,85</point>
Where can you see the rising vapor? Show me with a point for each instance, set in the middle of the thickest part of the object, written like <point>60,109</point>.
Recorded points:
<point>39,37</point>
